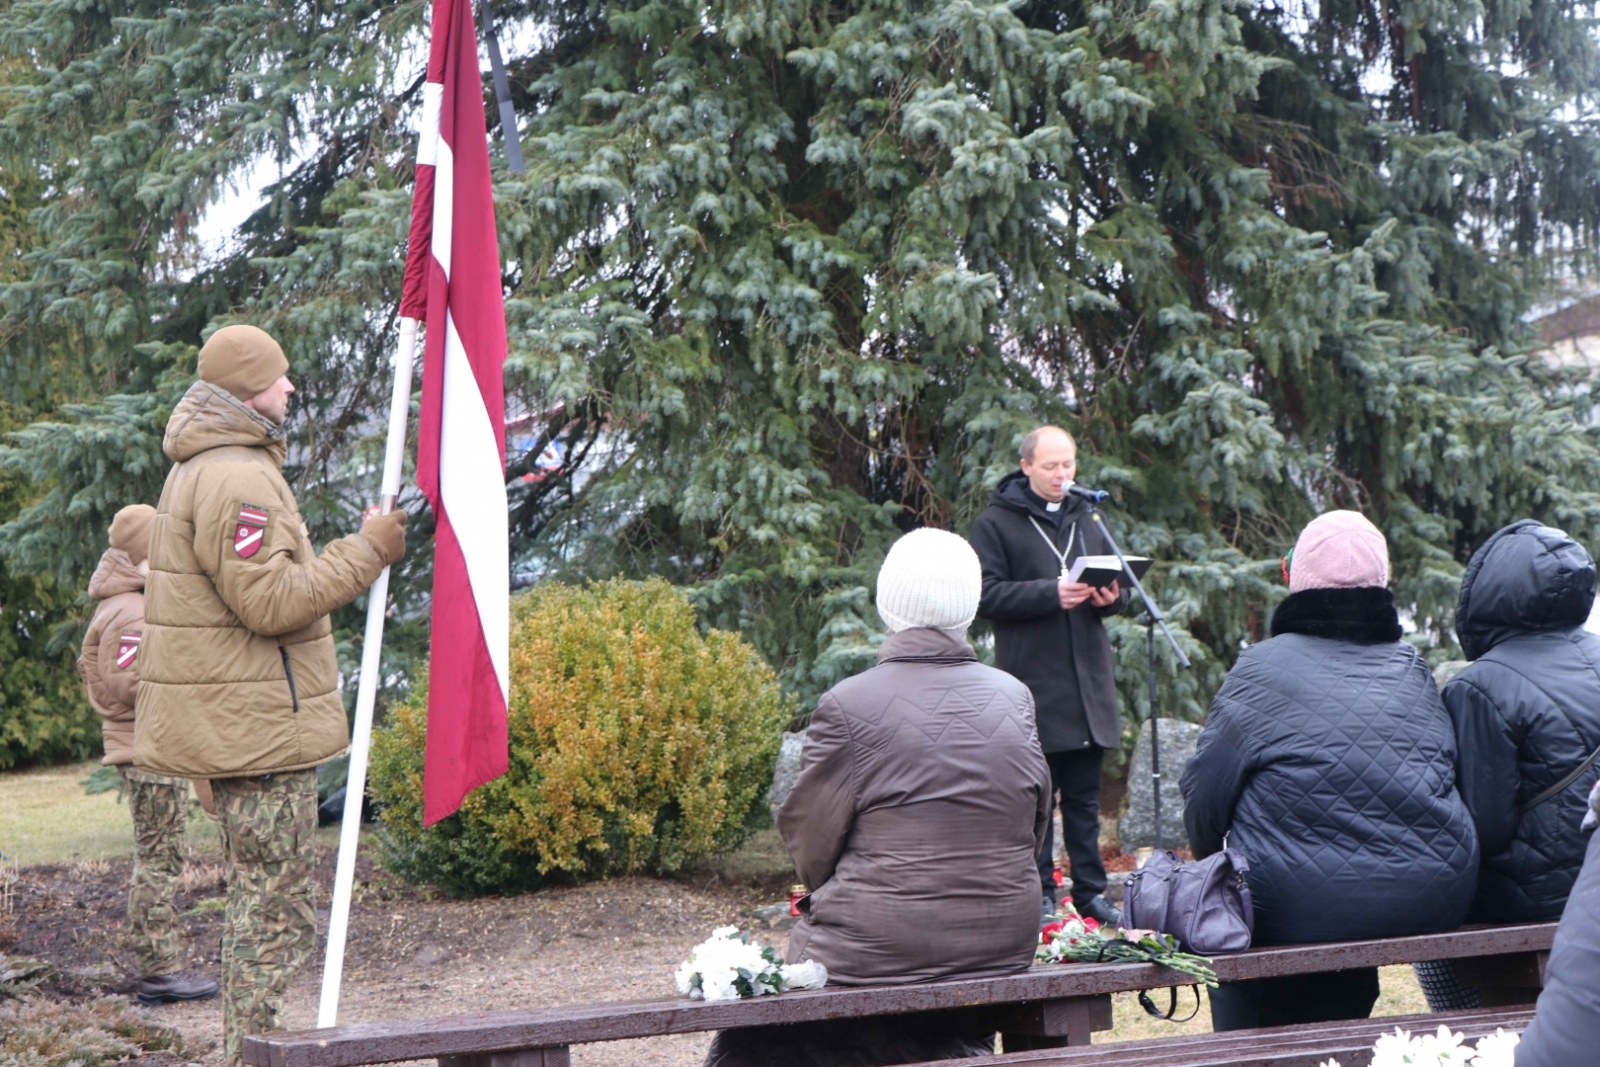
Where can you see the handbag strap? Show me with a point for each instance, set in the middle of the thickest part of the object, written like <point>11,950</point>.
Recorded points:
<point>1172,1005</point>
<point>1577,772</point>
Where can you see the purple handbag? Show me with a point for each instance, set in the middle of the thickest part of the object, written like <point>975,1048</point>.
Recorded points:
<point>1204,904</point>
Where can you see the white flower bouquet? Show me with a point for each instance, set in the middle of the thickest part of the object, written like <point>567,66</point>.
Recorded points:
<point>727,966</point>
<point>1441,1049</point>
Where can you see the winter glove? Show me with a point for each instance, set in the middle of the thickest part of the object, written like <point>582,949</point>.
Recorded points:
<point>1591,818</point>
<point>387,536</point>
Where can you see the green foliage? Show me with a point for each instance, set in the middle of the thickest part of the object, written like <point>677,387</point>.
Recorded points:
<point>790,277</point>
<point>637,744</point>
<point>44,715</point>
<point>105,780</point>
<point>121,123</point>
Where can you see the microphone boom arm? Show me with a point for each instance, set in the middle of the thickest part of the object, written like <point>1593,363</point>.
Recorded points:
<point>1153,618</point>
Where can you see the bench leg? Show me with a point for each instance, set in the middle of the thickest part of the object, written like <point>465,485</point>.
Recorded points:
<point>557,1056</point>
<point>1054,1023</point>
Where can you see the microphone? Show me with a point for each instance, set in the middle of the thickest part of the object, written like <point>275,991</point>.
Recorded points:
<point>1095,496</point>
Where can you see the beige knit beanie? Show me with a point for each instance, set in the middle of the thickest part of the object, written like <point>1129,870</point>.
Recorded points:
<point>1339,550</point>
<point>244,360</point>
<point>929,578</point>
<point>130,531</point>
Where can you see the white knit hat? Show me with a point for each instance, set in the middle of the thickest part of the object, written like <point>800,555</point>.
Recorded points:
<point>929,578</point>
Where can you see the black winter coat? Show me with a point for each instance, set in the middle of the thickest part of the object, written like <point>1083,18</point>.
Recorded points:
<point>1526,712</point>
<point>1329,761</point>
<point>1063,657</point>
<point>1566,1023</point>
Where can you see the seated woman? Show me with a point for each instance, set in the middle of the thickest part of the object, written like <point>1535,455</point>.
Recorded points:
<point>920,806</point>
<point>1527,709</point>
<point>1329,761</point>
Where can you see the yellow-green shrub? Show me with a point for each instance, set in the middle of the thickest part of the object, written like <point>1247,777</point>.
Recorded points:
<point>637,744</point>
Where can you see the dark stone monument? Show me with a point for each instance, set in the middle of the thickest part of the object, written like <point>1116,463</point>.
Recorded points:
<point>1138,826</point>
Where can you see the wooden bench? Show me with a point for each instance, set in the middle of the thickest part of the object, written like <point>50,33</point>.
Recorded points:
<point>1051,1006</point>
<point>1286,1046</point>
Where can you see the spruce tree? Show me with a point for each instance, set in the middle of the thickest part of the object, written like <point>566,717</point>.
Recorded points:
<point>43,714</point>
<point>791,278</point>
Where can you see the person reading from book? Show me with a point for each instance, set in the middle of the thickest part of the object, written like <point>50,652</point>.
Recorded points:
<point>1329,761</point>
<point>1049,635</point>
<point>921,803</point>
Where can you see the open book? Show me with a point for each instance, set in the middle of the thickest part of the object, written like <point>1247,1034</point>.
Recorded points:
<point>1101,571</point>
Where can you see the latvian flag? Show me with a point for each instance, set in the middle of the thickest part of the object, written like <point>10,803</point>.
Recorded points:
<point>452,284</point>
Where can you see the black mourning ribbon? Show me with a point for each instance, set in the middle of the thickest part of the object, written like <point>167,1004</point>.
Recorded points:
<point>502,92</point>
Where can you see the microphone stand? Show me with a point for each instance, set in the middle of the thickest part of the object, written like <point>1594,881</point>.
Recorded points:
<point>1153,617</point>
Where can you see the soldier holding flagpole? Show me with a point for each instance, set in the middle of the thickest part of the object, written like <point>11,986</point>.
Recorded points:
<point>239,680</point>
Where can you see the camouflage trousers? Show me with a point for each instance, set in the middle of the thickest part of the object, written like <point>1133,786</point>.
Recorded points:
<point>160,808</point>
<point>267,825</point>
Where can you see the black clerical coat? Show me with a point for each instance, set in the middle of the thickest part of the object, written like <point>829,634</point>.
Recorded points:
<point>1064,657</point>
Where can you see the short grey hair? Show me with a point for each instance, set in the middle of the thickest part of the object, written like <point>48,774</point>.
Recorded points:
<point>1030,443</point>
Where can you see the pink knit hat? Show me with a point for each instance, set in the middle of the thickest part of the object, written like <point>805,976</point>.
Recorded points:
<point>1339,550</point>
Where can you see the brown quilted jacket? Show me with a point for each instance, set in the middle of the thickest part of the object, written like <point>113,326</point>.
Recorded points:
<point>109,663</point>
<point>238,670</point>
<point>922,800</point>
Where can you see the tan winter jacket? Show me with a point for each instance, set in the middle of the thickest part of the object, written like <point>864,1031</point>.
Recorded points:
<point>238,671</point>
<point>110,660</point>
<point>921,803</point>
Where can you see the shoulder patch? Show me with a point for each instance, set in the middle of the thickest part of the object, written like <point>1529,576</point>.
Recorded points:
<point>128,648</point>
<point>248,530</point>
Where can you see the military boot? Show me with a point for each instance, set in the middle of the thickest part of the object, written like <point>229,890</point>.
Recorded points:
<point>166,988</point>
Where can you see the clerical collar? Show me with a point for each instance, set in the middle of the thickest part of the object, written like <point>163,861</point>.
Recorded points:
<point>1049,510</point>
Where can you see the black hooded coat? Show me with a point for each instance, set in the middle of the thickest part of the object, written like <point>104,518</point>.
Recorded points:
<point>1063,657</point>
<point>1329,761</point>
<point>1526,713</point>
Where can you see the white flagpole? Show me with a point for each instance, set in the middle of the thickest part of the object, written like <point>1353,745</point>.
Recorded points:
<point>367,689</point>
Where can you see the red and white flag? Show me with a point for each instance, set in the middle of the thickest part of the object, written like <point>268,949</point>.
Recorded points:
<point>452,285</point>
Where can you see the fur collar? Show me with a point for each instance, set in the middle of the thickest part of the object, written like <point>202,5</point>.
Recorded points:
<point>1364,616</point>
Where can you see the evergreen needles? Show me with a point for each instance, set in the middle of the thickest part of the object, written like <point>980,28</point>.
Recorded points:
<point>792,277</point>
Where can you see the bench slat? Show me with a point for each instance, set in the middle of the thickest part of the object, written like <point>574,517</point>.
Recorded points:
<point>1307,959</point>
<point>1285,1046</point>
<point>370,1043</point>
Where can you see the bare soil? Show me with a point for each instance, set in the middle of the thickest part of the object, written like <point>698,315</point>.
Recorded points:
<point>411,952</point>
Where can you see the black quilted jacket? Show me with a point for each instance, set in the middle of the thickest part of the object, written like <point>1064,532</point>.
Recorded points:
<point>1329,761</point>
<point>1527,712</point>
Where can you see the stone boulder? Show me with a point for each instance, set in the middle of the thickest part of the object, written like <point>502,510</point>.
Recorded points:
<point>1448,670</point>
<point>787,770</point>
<point>1138,826</point>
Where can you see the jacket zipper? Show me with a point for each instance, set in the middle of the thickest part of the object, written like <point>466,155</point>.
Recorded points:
<point>289,674</point>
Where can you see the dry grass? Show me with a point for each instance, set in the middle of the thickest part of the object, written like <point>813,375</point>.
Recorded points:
<point>199,875</point>
<point>45,817</point>
<point>1398,994</point>
<point>98,1034</point>
<point>9,875</point>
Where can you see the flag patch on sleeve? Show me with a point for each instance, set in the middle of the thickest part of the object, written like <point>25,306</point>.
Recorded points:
<point>248,531</point>
<point>128,648</point>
